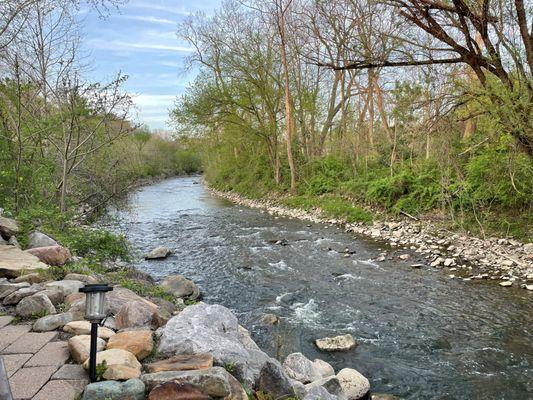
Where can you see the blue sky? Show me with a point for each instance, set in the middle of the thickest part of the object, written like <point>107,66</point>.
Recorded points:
<point>140,40</point>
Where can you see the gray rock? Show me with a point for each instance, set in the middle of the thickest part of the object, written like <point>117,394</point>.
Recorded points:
<point>319,393</point>
<point>179,286</point>
<point>299,389</point>
<point>213,329</point>
<point>273,380</point>
<point>39,239</point>
<point>212,381</point>
<point>300,368</point>
<point>132,389</point>
<point>331,384</point>
<point>158,253</point>
<point>55,295</point>
<point>8,227</point>
<point>66,286</point>
<point>35,305</point>
<point>528,248</point>
<point>18,295</point>
<point>6,288</point>
<point>52,322</point>
<point>325,368</point>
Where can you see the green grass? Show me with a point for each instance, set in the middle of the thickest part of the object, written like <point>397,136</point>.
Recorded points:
<point>331,207</point>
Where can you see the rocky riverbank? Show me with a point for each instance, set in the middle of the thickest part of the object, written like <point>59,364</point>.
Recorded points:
<point>149,347</point>
<point>506,261</point>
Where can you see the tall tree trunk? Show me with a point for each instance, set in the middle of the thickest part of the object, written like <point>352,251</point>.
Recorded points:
<point>289,129</point>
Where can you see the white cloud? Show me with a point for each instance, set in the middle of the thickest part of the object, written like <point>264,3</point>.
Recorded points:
<point>120,45</point>
<point>160,7</point>
<point>150,19</point>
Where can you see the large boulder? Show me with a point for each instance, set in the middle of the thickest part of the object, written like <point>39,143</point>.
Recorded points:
<point>354,384</point>
<point>337,343</point>
<point>213,329</point>
<point>39,239</point>
<point>158,253</point>
<point>80,347</point>
<point>139,343</point>
<point>51,255</point>
<point>138,314</point>
<point>132,389</point>
<point>272,380</point>
<point>177,391</point>
<point>8,227</point>
<point>52,322</point>
<point>84,328</point>
<point>120,296</point>
<point>181,363</point>
<point>36,304</point>
<point>121,364</point>
<point>15,262</point>
<point>300,368</point>
<point>178,286</point>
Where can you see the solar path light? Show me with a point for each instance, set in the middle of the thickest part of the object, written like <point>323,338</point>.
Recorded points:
<point>94,313</point>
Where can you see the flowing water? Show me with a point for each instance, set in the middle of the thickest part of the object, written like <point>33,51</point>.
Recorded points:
<point>421,334</point>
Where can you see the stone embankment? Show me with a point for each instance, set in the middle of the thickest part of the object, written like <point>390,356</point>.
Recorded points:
<point>504,260</point>
<point>148,348</point>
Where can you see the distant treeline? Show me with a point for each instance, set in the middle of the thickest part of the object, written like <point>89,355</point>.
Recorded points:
<point>67,143</point>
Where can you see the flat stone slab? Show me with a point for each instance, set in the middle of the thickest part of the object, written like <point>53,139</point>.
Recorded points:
<point>26,382</point>
<point>73,372</point>
<point>14,362</point>
<point>14,262</point>
<point>53,354</point>
<point>59,389</point>
<point>11,333</point>
<point>5,320</point>
<point>30,342</point>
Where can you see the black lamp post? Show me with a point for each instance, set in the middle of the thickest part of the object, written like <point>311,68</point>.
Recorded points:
<point>94,313</point>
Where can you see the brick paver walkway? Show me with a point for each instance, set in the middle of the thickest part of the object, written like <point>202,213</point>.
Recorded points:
<point>36,364</point>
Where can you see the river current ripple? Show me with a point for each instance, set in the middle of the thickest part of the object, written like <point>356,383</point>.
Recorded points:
<point>421,335</point>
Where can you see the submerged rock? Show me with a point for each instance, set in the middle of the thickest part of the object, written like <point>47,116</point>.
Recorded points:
<point>337,343</point>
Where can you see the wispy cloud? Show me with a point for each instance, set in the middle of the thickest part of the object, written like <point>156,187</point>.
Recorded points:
<point>120,45</point>
<point>160,7</point>
<point>149,19</point>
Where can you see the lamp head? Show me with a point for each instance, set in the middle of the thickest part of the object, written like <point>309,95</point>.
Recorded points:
<point>95,301</point>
